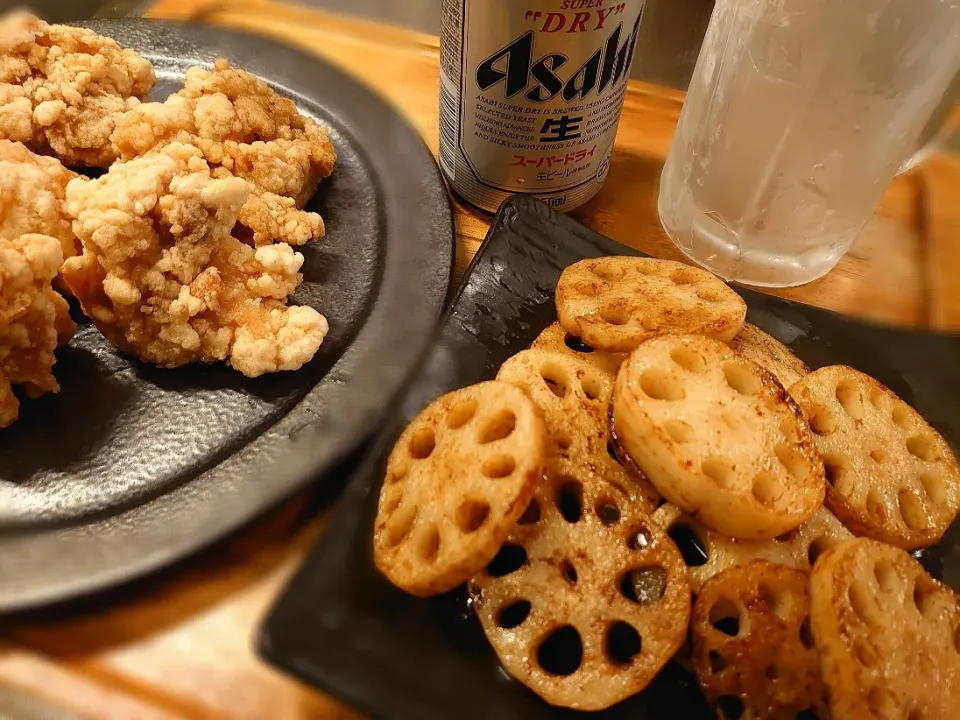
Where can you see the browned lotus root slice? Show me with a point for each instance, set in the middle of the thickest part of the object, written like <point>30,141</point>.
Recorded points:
<point>752,647</point>
<point>888,635</point>
<point>556,339</point>
<point>708,553</point>
<point>585,602</point>
<point>718,437</point>
<point>574,399</point>
<point>457,481</point>
<point>890,475</point>
<point>615,303</point>
<point>769,353</point>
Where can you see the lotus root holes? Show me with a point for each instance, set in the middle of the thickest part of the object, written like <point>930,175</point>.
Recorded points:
<point>727,618</point>
<point>777,602</point>
<point>875,505</point>
<point>644,586</point>
<point>422,443</point>
<point>622,643</point>
<point>561,653</point>
<point>461,413</point>
<point>850,399</point>
<point>771,672</point>
<point>823,421</point>
<point>730,707</point>
<point>806,635</point>
<point>570,500</point>
<point>792,460</point>
<point>429,544</point>
<point>886,576</point>
<point>767,488</point>
<point>514,614</point>
<point>562,438</point>
<point>498,427</point>
<point>922,447</point>
<point>718,469</point>
<point>688,359</point>
<point>690,545</point>
<point>879,399</point>
<point>819,546</point>
<point>709,294</point>
<point>863,603</point>
<point>399,525</point>
<point>556,378</point>
<point>839,472</point>
<point>647,268</point>
<point>639,539</point>
<point>569,572</point>
<point>901,416</point>
<point>592,386</point>
<point>499,466</point>
<point>531,515</point>
<point>683,276</point>
<point>956,640</point>
<point>717,663</point>
<point>472,514</point>
<point>615,313</point>
<point>607,271</point>
<point>607,511</point>
<point>911,510</point>
<point>878,456</point>
<point>882,704</point>
<point>935,488</point>
<point>807,714</point>
<point>576,344</point>
<point>392,501</point>
<point>742,379</point>
<point>678,431</point>
<point>866,655</point>
<point>508,560</point>
<point>925,598</point>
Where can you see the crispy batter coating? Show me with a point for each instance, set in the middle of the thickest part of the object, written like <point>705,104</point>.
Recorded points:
<point>33,319</point>
<point>244,128</point>
<point>33,192</point>
<point>162,277</point>
<point>63,88</point>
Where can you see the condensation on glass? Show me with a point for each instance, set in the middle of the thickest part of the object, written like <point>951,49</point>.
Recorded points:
<point>797,117</point>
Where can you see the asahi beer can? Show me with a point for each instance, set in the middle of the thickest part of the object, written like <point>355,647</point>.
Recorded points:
<point>531,94</point>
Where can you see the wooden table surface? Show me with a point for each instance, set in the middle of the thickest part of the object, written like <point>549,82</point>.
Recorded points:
<point>180,644</point>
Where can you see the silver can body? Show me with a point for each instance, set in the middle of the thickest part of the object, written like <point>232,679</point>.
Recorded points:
<point>531,95</point>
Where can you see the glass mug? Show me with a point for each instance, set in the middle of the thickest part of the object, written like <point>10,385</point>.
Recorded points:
<point>798,116</point>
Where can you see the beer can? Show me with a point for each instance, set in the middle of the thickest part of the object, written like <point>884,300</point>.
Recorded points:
<point>531,94</point>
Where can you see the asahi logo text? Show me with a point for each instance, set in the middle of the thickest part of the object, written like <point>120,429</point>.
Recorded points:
<point>515,67</point>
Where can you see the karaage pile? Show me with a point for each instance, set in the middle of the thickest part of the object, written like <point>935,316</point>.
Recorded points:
<point>181,252</point>
<point>243,128</point>
<point>62,88</point>
<point>162,277</point>
<point>33,191</point>
<point>34,319</point>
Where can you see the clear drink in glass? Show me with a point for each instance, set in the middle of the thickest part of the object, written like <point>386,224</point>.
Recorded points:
<point>797,117</point>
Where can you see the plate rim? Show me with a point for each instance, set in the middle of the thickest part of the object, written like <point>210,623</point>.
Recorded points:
<point>435,237</point>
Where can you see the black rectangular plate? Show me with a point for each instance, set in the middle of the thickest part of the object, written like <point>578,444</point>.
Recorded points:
<point>343,627</point>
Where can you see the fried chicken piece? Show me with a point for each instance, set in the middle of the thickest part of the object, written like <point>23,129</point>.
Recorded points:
<point>33,193</point>
<point>63,88</point>
<point>34,319</point>
<point>161,276</point>
<point>244,128</point>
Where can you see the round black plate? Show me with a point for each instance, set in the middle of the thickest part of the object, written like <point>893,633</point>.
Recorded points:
<point>131,467</point>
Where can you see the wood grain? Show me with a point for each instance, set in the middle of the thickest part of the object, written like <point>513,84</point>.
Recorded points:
<point>179,645</point>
